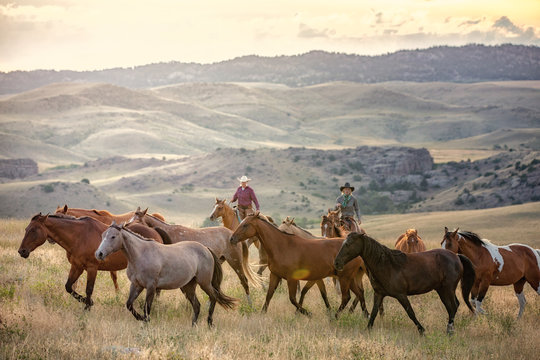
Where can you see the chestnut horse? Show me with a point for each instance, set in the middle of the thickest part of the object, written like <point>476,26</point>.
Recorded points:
<point>216,238</point>
<point>397,274</point>
<point>410,242</point>
<point>152,266</point>
<point>102,215</point>
<point>80,237</point>
<point>295,258</point>
<point>333,226</point>
<point>512,264</point>
<point>231,221</point>
<point>289,226</point>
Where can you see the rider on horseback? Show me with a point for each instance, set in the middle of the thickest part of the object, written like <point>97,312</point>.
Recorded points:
<point>348,204</point>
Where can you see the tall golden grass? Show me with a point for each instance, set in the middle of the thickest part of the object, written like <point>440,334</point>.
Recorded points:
<point>39,320</point>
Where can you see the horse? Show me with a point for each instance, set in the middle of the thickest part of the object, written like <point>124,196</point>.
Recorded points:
<point>512,264</point>
<point>80,237</point>
<point>215,238</point>
<point>333,226</point>
<point>410,242</point>
<point>289,226</point>
<point>230,221</point>
<point>102,215</point>
<point>151,266</point>
<point>295,258</point>
<point>397,274</point>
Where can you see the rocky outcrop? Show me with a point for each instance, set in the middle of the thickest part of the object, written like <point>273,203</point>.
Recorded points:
<point>17,168</point>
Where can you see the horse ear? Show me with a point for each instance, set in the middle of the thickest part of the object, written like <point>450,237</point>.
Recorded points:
<point>113,223</point>
<point>123,224</point>
<point>65,208</point>
<point>445,230</point>
<point>145,211</point>
<point>455,231</point>
<point>45,217</point>
<point>292,220</point>
<point>325,217</point>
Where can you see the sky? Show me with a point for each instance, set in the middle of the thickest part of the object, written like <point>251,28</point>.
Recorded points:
<point>100,34</point>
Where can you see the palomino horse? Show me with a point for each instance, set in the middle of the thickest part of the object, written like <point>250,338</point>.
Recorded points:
<point>215,238</point>
<point>231,221</point>
<point>295,258</point>
<point>152,266</point>
<point>396,274</point>
<point>512,264</point>
<point>102,215</point>
<point>410,242</point>
<point>80,237</point>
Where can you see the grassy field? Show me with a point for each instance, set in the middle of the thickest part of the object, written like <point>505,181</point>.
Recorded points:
<point>38,319</point>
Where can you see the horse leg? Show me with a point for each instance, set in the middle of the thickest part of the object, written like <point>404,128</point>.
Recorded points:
<point>345,295</point>
<point>358,290</point>
<point>189,292</point>
<point>134,291</point>
<point>114,278</point>
<point>448,298</point>
<point>309,284</point>
<point>482,290</point>
<point>404,301</point>
<point>518,289</point>
<point>211,311</point>
<point>272,285</point>
<point>150,292</point>
<point>293,285</point>
<point>74,274</point>
<point>235,262</point>
<point>91,274</point>
<point>377,302</point>
<point>322,290</point>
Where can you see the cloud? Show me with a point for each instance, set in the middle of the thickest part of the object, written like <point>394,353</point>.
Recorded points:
<point>308,32</point>
<point>504,23</point>
<point>470,22</point>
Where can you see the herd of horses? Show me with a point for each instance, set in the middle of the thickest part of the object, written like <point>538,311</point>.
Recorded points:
<point>162,256</point>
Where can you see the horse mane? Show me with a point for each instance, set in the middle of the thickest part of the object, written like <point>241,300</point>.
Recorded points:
<point>474,238</point>
<point>101,212</point>
<point>303,230</point>
<point>132,232</point>
<point>382,255</point>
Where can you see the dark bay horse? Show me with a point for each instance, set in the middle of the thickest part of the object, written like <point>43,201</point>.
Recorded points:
<point>155,266</point>
<point>396,274</point>
<point>230,221</point>
<point>80,237</point>
<point>294,258</point>
<point>410,242</point>
<point>216,238</point>
<point>513,264</point>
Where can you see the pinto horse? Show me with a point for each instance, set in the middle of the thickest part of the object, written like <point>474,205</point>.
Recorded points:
<point>231,221</point>
<point>295,258</point>
<point>152,266</point>
<point>102,215</point>
<point>215,238</point>
<point>410,242</point>
<point>512,264</point>
<point>80,237</point>
<point>396,274</point>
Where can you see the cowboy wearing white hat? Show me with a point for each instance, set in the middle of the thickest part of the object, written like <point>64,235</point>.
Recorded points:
<point>245,195</point>
<point>349,207</point>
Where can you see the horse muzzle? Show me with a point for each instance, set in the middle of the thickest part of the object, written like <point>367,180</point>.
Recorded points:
<point>99,255</point>
<point>24,253</point>
<point>338,265</point>
<point>234,239</point>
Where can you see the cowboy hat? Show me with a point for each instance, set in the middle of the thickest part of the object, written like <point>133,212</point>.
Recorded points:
<point>244,178</point>
<point>347,185</point>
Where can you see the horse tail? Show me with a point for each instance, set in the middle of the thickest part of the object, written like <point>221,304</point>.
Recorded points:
<point>217,277</point>
<point>467,282</point>
<point>253,278</point>
<point>164,235</point>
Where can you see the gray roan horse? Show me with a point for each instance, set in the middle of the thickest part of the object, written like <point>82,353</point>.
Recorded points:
<point>152,266</point>
<point>396,274</point>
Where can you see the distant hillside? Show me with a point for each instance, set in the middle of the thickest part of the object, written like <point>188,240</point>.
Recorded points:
<point>295,181</point>
<point>471,63</point>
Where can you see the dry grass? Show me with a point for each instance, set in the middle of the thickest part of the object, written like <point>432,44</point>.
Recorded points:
<point>38,319</point>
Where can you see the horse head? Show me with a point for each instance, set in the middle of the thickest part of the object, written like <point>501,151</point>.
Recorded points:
<point>219,209</point>
<point>246,228</point>
<point>111,241</point>
<point>350,249</point>
<point>138,216</point>
<point>35,235</point>
<point>450,240</point>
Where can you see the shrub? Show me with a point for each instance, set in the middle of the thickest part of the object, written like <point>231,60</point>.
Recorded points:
<point>85,180</point>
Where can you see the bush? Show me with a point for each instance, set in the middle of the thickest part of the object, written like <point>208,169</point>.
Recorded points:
<point>49,188</point>
<point>85,180</point>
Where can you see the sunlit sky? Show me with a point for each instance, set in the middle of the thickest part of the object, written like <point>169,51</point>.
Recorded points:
<point>99,34</point>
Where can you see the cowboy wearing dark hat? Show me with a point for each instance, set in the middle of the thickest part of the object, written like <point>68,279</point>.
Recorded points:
<point>349,206</point>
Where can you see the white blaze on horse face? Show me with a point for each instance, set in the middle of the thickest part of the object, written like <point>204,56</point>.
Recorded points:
<point>495,253</point>
<point>443,245</point>
<point>325,228</point>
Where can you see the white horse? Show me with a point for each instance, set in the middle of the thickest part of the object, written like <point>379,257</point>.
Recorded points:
<point>154,266</point>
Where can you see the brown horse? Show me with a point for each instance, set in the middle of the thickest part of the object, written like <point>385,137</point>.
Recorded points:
<point>512,264</point>
<point>396,274</point>
<point>215,238</point>
<point>332,225</point>
<point>410,242</point>
<point>102,215</point>
<point>289,226</point>
<point>294,258</point>
<point>80,237</point>
<point>152,266</point>
<point>231,221</point>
